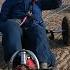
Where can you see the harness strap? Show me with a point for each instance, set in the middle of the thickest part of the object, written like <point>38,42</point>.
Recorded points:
<point>25,18</point>
<point>23,21</point>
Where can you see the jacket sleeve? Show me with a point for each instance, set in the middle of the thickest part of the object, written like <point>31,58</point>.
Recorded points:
<point>6,8</point>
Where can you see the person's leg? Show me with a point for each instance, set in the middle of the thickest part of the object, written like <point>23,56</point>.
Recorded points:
<point>40,45</point>
<point>43,52</point>
<point>12,38</point>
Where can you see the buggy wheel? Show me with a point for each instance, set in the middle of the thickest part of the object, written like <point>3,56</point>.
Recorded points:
<point>25,54</point>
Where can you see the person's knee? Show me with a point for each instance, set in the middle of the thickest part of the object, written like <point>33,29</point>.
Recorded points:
<point>38,28</point>
<point>12,24</point>
<point>12,27</point>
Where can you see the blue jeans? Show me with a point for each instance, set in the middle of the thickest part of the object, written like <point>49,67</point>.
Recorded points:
<point>43,52</point>
<point>11,37</point>
<point>12,40</point>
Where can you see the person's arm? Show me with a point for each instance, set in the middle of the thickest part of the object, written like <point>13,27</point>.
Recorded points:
<point>6,7</point>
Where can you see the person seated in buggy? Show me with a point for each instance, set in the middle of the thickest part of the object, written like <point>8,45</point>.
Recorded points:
<point>12,13</point>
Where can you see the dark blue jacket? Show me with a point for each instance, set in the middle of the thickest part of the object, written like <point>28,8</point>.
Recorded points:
<point>15,8</point>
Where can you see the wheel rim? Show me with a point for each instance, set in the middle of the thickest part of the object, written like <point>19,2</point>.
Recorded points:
<point>23,50</point>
